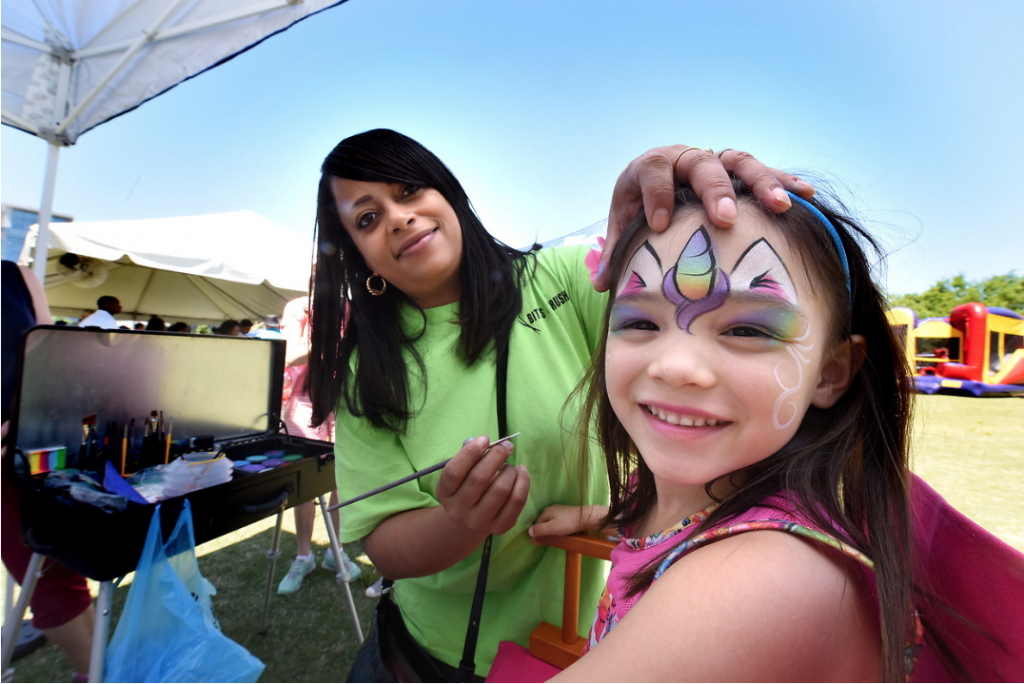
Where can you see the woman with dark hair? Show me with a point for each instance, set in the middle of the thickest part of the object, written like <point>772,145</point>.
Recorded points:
<point>451,334</point>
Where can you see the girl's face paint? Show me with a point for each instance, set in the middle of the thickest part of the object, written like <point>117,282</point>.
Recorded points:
<point>713,360</point>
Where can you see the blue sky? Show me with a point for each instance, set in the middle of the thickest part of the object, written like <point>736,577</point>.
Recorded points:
<point>914,107</point>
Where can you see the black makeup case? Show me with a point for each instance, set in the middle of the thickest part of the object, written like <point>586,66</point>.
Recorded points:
<point>229,388</point>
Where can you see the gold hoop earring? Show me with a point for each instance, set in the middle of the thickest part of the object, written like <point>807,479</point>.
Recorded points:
<point>373,290</point>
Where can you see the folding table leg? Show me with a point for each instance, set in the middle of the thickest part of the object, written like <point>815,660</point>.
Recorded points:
<point>101,627</point>
<point>272,557</point>
<point>12,627</point>
<point>336,550</point>
<point>8,595</point>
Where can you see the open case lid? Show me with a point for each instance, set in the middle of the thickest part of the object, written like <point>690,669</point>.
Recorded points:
<point>229,387</point>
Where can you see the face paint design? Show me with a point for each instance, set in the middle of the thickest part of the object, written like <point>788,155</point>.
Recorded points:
<point>799,355</point>
<point>759,269</point>
<point>696,284</point>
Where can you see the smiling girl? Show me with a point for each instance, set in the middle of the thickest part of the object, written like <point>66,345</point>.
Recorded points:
<point>749,382</point>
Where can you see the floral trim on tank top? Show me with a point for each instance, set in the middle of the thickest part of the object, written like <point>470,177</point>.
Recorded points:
<point>780,525</point>
<point>606,616</point>
<point>641,543</point>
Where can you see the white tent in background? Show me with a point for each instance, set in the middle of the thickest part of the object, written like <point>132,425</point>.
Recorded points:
<point>71,65</point>
<point>583,236</point>
<point>199,269</point>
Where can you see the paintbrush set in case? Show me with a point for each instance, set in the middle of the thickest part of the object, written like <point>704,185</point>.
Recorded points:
<point>107,423</point>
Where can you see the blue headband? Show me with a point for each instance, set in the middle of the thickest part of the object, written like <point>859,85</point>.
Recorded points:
<point>834,234</point>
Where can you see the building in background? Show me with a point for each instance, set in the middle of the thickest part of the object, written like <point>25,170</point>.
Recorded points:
<point>16,221</point>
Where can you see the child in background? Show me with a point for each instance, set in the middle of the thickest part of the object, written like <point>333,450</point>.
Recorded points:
<point>295,412</point>
<point>749,381</point>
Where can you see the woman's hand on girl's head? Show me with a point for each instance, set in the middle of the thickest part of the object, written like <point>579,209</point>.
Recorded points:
<point>560,520</point>
<point>480,491</point>
<point>649,183</point>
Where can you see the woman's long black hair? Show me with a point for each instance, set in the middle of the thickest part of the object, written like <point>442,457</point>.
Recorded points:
<point>850,459</point>
<point>375,385</point>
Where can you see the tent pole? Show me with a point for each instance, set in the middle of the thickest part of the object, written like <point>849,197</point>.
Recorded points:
<point>46,213</point>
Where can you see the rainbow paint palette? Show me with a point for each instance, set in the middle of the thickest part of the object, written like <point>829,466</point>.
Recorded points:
<point>45,460</point>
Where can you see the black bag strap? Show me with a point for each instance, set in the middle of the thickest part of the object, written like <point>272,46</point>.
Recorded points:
<point>467,667</point>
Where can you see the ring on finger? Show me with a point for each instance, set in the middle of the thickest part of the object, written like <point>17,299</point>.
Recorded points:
<point>727,149</point>
<point>688,149</point>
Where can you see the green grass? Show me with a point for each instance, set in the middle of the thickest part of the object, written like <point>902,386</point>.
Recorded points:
<point>970,450</point>
<point>310,636</point>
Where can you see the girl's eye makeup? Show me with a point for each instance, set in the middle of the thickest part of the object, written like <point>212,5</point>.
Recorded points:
<point>625,317</point>
<point>749,331</point>
<point>411,189</point>
<point>777,323</point>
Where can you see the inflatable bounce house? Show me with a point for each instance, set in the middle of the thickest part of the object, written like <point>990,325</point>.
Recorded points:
<point>976,350</point>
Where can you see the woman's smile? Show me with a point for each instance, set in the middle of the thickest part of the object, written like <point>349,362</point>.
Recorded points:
<point>416,244</point>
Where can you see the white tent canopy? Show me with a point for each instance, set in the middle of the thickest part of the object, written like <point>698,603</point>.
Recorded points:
<point>200,269</point>
<point>71,65</point>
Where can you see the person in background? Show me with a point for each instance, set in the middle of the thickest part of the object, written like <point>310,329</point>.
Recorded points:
<point>137,326</point>
<point>180,327</point>
<point>103,317</point>
<point>156,324</point>
<point>228,327</point>
<point>244,327</point>
<point>271,329</point>
<point>296,412</point>
<point>61,604</point>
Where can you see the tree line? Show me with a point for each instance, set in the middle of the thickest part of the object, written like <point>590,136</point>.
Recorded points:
<point>938,300</point>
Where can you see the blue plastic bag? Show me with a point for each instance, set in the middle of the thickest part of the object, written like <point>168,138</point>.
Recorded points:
<point>167,632</point>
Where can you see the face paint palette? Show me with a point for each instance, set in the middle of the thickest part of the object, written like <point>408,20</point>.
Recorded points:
<point>207,383</point>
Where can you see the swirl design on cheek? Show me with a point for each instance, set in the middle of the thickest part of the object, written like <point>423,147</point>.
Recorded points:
<point>696,284</point>
<point>799,353</point>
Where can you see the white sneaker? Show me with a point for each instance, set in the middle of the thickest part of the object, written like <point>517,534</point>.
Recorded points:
<point>376,589</point>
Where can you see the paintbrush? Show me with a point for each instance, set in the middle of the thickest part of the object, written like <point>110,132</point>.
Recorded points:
<point>83,454</point>
<point>409,478</point>
<point>167,447</point>
<point>124,450</point>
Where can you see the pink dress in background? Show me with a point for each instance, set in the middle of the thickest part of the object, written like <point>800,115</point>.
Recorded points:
<point>297,410</point>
